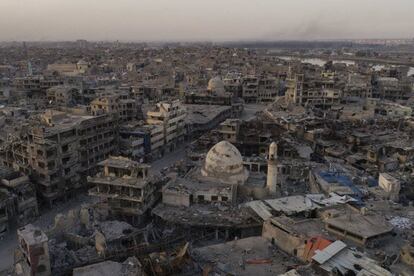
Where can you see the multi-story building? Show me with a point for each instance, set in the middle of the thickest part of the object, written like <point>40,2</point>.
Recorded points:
<point>134,140</point>
<point>157,139</point>
<point>392,89</point>
<point>321,98</point>
<point>98,138</point>
<point>125,188</point>
<point>294,85</point>
<point>357,87</point>
<point>61,150</point>
<point>27,83</point>
<point>62,95</point>
<point>313,91</point>
<point>125,108</point>
<point>4,89</point>
<point>233,83</point>
<point>33,87</point>
<point>18,203</point>
<point>32,255</point>
<point>140,141</point>
<point>259,89</point>
<point>51,81</point>
<point>171,117</point>
<point>229,129</point>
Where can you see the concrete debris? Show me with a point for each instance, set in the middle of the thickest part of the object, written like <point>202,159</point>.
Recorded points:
<point>401,222</point>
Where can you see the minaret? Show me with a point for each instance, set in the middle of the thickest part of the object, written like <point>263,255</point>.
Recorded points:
<point>272,169</point>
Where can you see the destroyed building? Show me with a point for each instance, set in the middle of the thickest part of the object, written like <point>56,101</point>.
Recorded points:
<point>129,267</point>
<point>18,202</point>
<point>215,95</point>
<point>126,188</point>
<point>203,118</point>
<point>60,150</point>
<point>120,105</point>
<point>169,117</point>
<point>32,257</point>
<point>249,256</point>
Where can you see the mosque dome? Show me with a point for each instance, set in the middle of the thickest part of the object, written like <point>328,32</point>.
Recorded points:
<point>225,163</point>
<point>216,85</point>
<point>82,62</point>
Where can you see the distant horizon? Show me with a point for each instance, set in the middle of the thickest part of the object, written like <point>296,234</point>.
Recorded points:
<point>197,20</point>
<point>209,41</point>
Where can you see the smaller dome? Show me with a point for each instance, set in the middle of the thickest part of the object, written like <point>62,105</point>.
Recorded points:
<point>216,85</point>
<point>82,62</point>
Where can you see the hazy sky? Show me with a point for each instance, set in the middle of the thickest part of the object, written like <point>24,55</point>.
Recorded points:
<point>216,20</point>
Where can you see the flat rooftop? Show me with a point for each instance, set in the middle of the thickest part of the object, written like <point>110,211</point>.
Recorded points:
<point>32,235</point>
<point>306,227</point>
<point>292,204</point>
<point>186,185</point>
<point>122,163</point>
<point>201,114</point>
<point>366,226</point>
<point>131,182</point>
<point>238,257</point>
<point>131,266</point>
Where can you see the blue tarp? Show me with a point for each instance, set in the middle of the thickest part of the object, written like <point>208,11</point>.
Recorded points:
<point>344,180</point>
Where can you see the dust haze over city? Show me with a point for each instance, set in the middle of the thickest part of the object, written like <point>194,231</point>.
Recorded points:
<point>206,137</point>
<point>215,20</point>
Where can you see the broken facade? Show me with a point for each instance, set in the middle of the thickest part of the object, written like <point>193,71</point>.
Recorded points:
<point>126,188</point>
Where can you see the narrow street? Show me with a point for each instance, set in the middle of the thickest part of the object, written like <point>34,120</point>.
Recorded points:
<point>170,158</point>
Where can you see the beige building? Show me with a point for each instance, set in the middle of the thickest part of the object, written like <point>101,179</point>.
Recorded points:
<point>229,129</point>
<point>259,88</point>
<point>170,116</point>
<point>390,185</point>
<point>61,95</point>
<point>294,84</point>
<point>61,150</point>
<point>125,188</point>
<point>69,69</point>
<point>32,256</point>
<point>118,104</point>
<point>313,92</point>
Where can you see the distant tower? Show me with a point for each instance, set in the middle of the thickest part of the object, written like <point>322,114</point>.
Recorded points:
<point>272,169</point>
<point>29,68</point>
<point>29,63</point>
